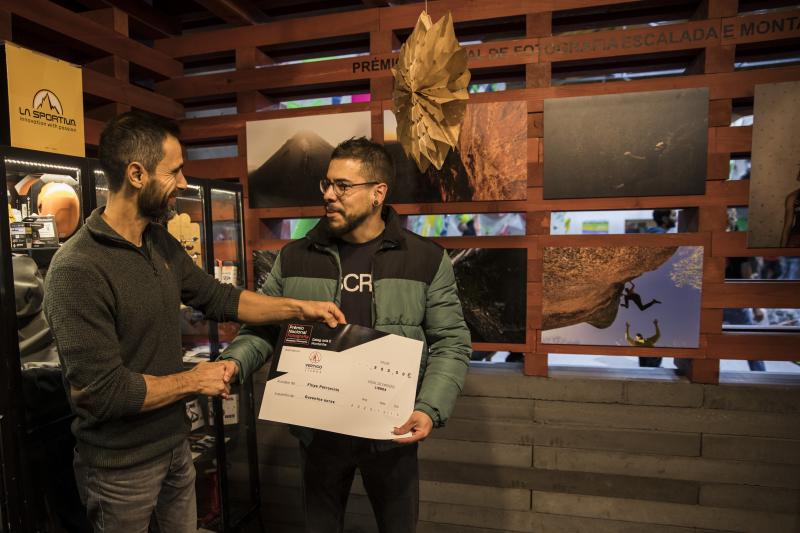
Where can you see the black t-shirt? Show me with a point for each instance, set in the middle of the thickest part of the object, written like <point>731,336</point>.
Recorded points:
<point>356,287</point>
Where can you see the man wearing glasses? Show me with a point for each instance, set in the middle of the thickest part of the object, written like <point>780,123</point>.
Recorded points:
<point>383,277</point>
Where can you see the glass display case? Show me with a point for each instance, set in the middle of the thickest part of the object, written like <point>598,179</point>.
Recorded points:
<point>209,225</point>
<point>46,202</point>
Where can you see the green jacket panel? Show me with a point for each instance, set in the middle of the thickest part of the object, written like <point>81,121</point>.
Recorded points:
<point>415,295</point>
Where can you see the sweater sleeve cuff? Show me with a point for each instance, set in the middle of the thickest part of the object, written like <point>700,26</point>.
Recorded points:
<point>431,412</point>
<point>136,394</point>
<point>232,306</point>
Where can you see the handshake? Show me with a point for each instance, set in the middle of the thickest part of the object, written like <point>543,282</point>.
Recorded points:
<point>212,378</point>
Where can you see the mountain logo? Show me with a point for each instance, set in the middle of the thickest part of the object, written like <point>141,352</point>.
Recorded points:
<point>47,110</point>
<point>315,357</point>
<point>47,101</point>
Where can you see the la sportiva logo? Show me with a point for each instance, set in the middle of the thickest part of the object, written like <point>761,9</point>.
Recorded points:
<point>47,107</point>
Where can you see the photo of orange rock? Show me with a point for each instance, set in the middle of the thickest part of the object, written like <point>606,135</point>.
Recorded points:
<point>608,295</point>
<point>491,161</point>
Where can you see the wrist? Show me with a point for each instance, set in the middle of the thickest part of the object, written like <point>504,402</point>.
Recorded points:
<point>185,384</point>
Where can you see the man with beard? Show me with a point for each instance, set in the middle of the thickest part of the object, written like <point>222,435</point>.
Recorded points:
<point>113,298</point>
<point>387,278</point>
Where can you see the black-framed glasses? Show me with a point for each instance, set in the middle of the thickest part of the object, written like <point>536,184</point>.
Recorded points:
<point>340,187</point>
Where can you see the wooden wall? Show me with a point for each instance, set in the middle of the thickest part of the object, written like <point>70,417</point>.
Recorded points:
<point>715,34</point>
<point>715,30</point>
<point>594,451</point>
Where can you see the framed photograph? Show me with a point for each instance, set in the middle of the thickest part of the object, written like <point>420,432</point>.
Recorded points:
<point>286,157</point>
<point>622,296</point>
<point>634,144</point>
<point>774,212</point>
<point>491,162</point>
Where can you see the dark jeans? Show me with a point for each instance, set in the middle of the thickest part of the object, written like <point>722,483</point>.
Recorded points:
<point>391,479</point>
<point>122,500</point>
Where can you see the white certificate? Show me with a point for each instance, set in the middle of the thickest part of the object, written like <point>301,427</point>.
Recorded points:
<point>349,379</point>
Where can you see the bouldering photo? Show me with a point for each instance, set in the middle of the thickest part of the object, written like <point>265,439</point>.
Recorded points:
<point>590,294</point>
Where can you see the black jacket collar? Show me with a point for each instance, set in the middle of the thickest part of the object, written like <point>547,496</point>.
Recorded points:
<point>392,236</point>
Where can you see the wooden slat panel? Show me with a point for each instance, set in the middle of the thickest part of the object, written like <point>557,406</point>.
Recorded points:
<point>66,22</point>
<point>732,139</point>
<point>634,239</point>
<point>751,294</point>
<point>769,346</point>
<point>285,31</point>
<point>734,244</point>
<point>682,36</point>
<point>91,131</point>
<point>757,28</point>
<point>669,37</point>
<point>692,353</point>
<point>463,10</point>
<point>116,90</point>
<point>722,86</point>
<point>224,167</point>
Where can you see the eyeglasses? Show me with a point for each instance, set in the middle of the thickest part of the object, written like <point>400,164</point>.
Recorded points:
<point>340,187</point>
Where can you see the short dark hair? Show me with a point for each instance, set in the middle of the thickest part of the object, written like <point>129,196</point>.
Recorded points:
<point>374,159</point>
<point>660,214</point>
<point>133,136</point>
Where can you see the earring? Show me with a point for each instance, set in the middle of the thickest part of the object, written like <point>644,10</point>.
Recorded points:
<point>375,203</point>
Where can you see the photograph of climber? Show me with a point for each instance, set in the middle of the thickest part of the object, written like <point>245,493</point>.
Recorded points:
<point>624,295</point>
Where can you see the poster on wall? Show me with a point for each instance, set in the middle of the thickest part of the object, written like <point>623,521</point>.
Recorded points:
<point>622,296</point>
<point>492,288</point>
<point>634,144</point>
<point>287,157</point>
<point>491,162</point>
<point>491,285</point>
<point>774,212</point>
<point>45,102</point>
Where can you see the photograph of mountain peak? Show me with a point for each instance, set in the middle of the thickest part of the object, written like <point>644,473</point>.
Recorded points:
<point>286,157</point>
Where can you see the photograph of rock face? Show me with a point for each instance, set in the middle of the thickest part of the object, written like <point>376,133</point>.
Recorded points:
<point>263,261</point>
<point>492,287</point>
<point>774,213</point>
<point>286,157</point>
<point>590,295</point>
<point>635,144</point>
<point>491,162</point>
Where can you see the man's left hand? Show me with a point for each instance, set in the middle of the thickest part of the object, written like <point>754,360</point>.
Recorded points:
<point>420,426</point>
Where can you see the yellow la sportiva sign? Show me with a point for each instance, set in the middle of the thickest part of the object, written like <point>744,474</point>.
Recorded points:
<point>45,102</point>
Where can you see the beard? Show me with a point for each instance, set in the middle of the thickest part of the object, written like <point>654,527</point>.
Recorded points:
<point>154,204</point>
<point>351,222</point>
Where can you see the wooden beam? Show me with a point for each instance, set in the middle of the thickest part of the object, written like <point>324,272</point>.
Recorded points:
<point>751,294</point>
<point>161,24</point>
<point>114,90</point>
<point>66,22</point>
<point>237,12</point>
<point>271,33</point>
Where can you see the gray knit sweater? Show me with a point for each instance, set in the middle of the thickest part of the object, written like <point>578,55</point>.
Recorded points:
<point>115,316</point>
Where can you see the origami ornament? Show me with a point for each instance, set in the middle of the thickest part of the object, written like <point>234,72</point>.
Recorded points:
<point>430,91</point>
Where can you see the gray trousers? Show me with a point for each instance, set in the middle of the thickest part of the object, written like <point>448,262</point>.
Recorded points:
<point>123,500</point>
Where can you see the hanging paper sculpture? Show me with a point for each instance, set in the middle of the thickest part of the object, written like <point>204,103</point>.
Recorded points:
<point>430,91</point>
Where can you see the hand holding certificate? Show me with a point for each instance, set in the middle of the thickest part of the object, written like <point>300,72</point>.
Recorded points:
<point>349,379</point>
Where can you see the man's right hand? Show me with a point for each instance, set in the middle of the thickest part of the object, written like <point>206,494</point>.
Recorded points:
<point>326,312</point>
<point>210,379</point>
